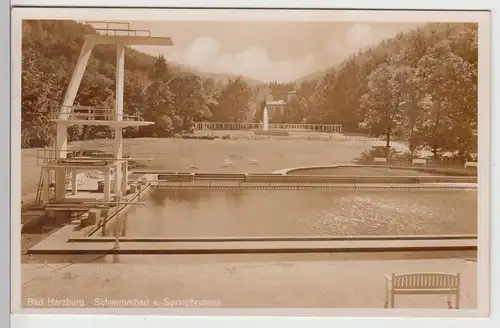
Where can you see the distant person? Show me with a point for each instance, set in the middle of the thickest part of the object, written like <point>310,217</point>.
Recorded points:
<point>110,103</point>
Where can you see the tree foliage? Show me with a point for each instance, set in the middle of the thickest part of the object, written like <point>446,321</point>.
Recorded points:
<point>162,92</point>
<point>420,86</point>
<point>232,102</point>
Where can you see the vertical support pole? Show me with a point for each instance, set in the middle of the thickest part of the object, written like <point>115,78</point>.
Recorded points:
<point>117,187</point>
<point>124,226</point>
<point>74,184</point>
<point>46,185</point>
<point>107,185</point>
<point>61,153</point>
<point>120,67</point>
<point>118,144</point>
<point>125,178</point>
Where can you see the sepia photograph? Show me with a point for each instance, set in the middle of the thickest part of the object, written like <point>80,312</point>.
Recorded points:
<point>204,159</point>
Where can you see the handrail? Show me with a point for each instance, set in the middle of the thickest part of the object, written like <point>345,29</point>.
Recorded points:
<point>51,154</point>
<point>272,126</point>
<point>128,32</point>
<point>78,112</point>
<point>47,155</point>
<point>108,28</point>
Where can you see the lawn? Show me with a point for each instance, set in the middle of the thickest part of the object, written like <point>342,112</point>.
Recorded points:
<point>210,155</point>
<point>367,171</point>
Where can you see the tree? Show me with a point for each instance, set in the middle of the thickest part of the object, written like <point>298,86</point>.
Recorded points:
<point>449,83</point>
<point>38,101</point>
<point>233,102</point>
<point>188,101</point>
<point>160,100</point>
<point>50,51</point>
<point>134,101</point>
<point>295,110</point>
<point>387,95</point>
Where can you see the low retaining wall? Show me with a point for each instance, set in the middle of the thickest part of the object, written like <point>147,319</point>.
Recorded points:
<point>281,178</point>
<point>356,179</point>
<point>308,187</point>
<point>269,238</point>
<point>272,133</point>
<point>442,171</point>
<point>261,247</point>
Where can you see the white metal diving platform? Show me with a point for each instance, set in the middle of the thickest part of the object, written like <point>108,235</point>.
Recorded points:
<point>58,166</point>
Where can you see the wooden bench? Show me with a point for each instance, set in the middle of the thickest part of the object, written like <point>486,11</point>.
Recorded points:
<point>419,161</point>
<point>422,284</point>
<point>379,160</point>
<point>470,164</point>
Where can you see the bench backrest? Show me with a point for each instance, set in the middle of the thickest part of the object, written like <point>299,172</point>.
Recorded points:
<point>419,161</point>
<point>471,164</point>
<point>426,281</point>
<point>380,159</point>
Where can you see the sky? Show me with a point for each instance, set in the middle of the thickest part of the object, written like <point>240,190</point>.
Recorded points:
<point>266,51</point>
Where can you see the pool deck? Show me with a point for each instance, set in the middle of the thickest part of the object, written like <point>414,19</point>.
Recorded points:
<point>266,284</point>
<point>350,282</point>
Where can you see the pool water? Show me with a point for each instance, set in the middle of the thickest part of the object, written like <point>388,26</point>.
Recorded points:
<point>252,213</point>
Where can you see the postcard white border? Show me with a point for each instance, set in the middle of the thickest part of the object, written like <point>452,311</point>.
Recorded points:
<point>484,122</point>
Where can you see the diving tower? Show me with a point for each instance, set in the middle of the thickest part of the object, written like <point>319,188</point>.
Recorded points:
<point>56,165</point>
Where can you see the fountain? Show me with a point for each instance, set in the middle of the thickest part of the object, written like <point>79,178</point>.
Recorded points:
<point>265,129</point>
<point>265,118</point>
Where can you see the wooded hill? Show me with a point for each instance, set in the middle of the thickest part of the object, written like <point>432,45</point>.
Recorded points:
<point>170,95</point>
<point>420,86</point>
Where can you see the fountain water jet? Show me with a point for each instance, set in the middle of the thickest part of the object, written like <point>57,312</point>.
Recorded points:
<point>265,119</point>
<point>265,128</point>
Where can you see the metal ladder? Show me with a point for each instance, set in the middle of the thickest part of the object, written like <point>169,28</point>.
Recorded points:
<point>39,190</point>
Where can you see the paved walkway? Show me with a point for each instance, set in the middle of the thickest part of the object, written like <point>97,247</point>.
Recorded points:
<point>299,284</point>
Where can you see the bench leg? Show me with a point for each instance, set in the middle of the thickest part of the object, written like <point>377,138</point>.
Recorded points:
<point>448,300</point>
<point>386,302</point>
<point>457,301</point>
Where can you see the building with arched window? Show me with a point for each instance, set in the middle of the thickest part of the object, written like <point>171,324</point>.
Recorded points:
<point>278,111</point>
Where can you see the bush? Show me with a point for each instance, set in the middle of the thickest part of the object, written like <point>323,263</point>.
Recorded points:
<point>393,156</point>
<point>189,136</point>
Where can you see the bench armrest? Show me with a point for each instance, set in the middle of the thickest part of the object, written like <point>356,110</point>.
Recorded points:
<point>388,289</point>
<point>388,283</point>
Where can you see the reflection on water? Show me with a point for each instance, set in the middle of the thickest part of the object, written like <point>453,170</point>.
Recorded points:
<point>192,213</point>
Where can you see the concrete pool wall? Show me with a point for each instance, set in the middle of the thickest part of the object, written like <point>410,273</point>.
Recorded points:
<point>418,169</point>
<point>115,222</point>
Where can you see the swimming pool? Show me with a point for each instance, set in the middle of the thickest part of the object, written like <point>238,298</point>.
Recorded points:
<point>254,213</point>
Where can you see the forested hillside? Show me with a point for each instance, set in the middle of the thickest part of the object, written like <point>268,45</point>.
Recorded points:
<point>168,94</point>
<point>420,86</point>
